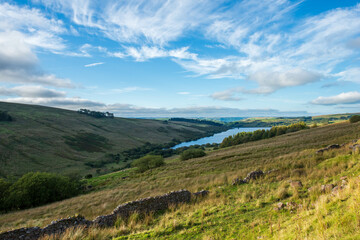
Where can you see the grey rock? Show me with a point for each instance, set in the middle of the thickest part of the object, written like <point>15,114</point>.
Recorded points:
<point>201,193</point>
<point>253,175</point>
<point>238,181</point>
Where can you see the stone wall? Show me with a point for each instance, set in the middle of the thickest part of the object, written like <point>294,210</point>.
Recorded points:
<point>141,206</point>
<point>144,206</point>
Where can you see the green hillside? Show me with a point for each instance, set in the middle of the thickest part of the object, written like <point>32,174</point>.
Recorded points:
<point>56,140</point>
<point>244,211</point>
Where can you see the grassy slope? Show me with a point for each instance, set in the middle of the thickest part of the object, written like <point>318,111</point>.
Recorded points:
<point>319,120</point>
<point>36,139</point>
<point>234,212</point>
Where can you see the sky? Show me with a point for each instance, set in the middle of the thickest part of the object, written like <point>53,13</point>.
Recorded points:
<point>184,58</point>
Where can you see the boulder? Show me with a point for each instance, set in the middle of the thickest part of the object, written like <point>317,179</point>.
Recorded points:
<point>253,175</point>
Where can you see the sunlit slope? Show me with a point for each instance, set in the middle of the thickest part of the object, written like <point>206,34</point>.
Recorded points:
<point>57,140</point>
<point>235,209</point>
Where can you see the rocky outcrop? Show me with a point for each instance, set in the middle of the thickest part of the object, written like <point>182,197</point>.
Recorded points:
<point>330,147</point>
<point>251,176</point>
<point>141,206</point>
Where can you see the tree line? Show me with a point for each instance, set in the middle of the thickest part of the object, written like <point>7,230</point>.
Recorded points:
<point>96,114</point>
<point>244,137</point>
<point>201,121</point>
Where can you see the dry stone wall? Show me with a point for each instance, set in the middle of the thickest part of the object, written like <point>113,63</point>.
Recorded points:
<point>141,206</point>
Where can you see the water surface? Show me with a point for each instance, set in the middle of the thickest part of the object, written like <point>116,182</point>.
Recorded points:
<point>218,137</point>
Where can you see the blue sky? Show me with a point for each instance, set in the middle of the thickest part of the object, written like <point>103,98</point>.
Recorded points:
<point>182,58</point>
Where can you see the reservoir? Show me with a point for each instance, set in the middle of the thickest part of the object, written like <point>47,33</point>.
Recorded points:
<point>218,137</point>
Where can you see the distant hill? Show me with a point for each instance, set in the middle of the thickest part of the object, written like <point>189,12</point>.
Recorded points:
<point>50,139</point>
<point>303,194</point>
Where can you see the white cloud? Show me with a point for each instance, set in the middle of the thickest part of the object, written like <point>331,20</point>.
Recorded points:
<point>15,52</point>
<point>93,64</point>
<point>24,76</point>
<point>342,98</point>
<point>37,30</point>
<point>62,102</point>
<point>316,45</point>
<point>351,74</point>
<point>272,81</point>
<point>156,22</point>
<point>22,30</point>
<point>127,110</point>
<point>131,89</point>
<point>183,93</point>
<point>144,53</point>
<point>31,92</point>
<point>227,95</point>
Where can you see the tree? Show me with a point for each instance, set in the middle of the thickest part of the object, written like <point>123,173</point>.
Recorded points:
<point>192,153</point>
<point>4,116</point>
<point>35,189</point>
<point>354,119</point>
<point>148,162</point>
<point>4,191</point>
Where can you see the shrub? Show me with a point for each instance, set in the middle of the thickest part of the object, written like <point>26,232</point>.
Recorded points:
<point>192,153</point>
<point>88,176</point>
<point>4,188</point>
<point>148,162</point>
<point>354,119</point>
<point>4,116</point>
<point>35,189</point>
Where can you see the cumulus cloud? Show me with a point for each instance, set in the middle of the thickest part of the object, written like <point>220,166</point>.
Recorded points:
<point>342,98</point>
<point>22,30</point>
<point>271,81</point>
<point>93,64</point>
<point>15,52</point>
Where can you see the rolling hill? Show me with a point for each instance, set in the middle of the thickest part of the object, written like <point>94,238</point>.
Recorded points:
<point>246,211</point>
<point>62,141</point>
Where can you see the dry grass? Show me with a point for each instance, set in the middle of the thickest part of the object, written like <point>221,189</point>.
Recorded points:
<point>293,155</point>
